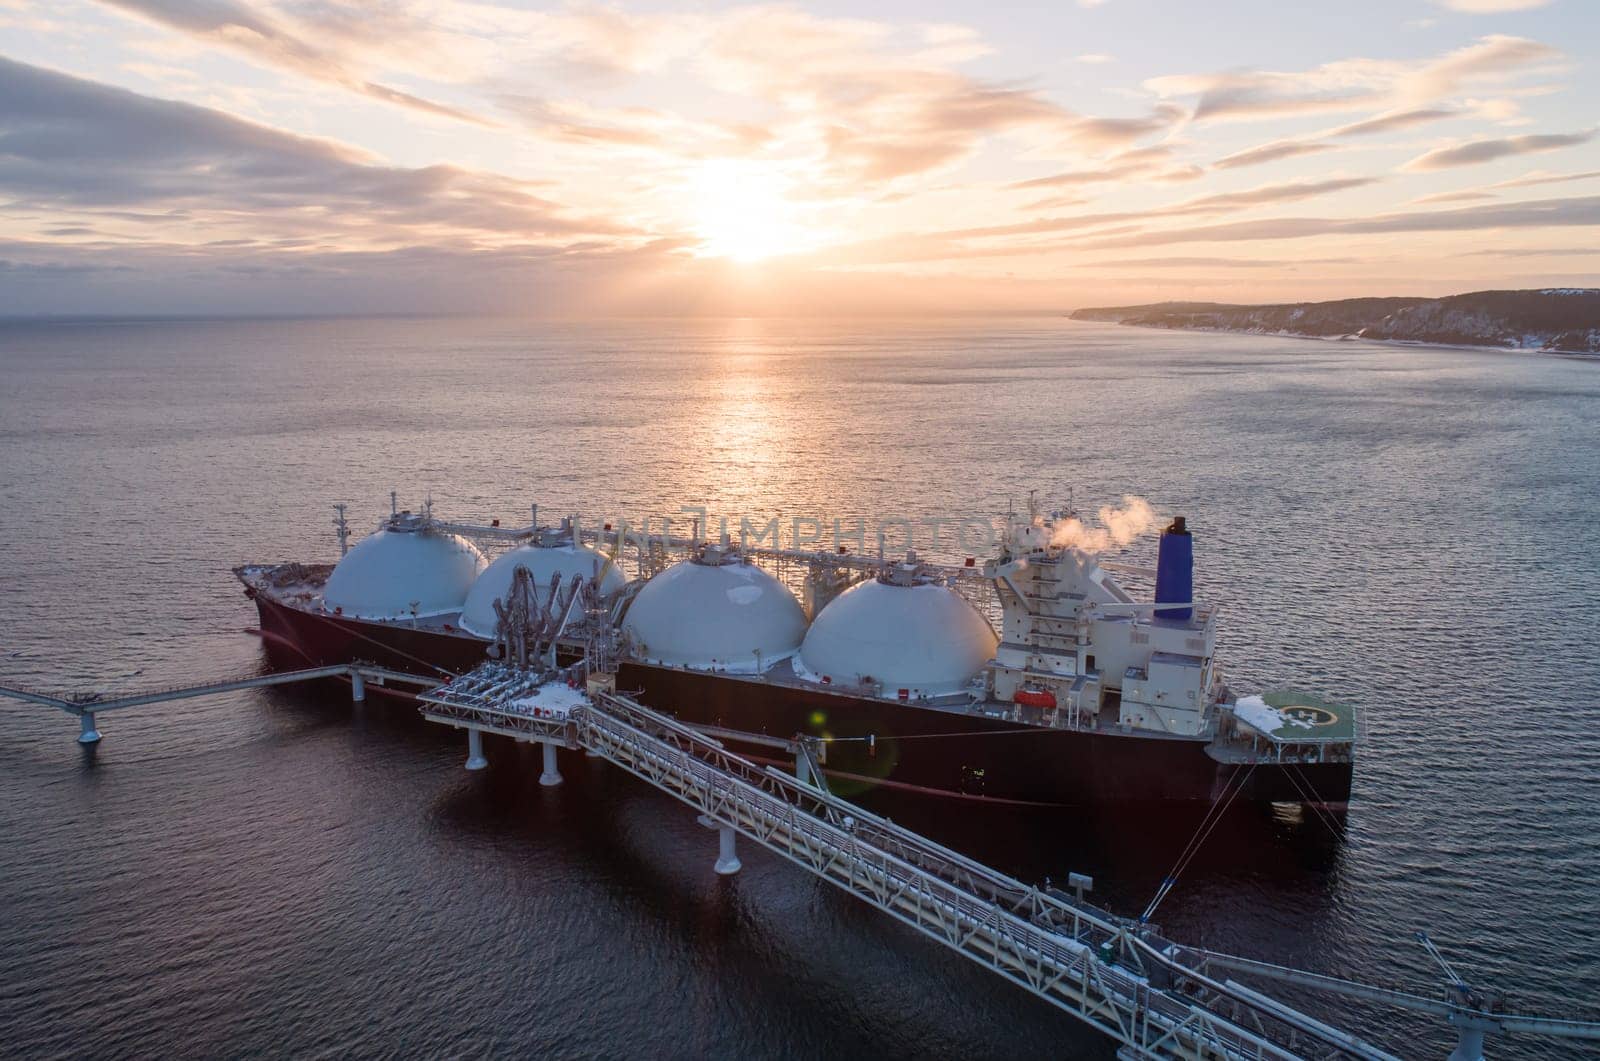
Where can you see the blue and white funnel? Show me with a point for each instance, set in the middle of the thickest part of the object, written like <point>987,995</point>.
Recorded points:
<point>1175,571</point>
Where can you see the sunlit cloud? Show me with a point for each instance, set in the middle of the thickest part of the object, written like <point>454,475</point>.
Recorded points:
<point>1179,262</point>
<point>1273,152</point>
<point>1393,121</point>
<point>1478,151</point>
<point>1358,84</point>
<point>1490,7</point>
<point>73,144</point>
<point>1468,195</point>
<point>1538,178</point>
<point>361,142</point>
<point>1544,213</point>
<point>260,35</point>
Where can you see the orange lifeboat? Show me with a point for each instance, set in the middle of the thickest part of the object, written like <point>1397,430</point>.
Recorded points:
<point>1033,696</point>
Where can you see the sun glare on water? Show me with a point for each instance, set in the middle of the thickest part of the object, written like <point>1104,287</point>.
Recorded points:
<point>743,211</point>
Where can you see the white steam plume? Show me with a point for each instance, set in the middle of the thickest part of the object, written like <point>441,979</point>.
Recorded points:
<point>1118,527</point>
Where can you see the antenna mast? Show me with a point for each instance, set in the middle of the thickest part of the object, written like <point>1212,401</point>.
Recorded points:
<point>342,529</point>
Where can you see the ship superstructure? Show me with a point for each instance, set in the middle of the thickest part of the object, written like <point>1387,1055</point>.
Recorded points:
<point>1033,677</point>
<point>1075,641</point>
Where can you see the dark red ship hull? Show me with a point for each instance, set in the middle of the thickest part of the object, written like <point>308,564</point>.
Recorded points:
<point>875,743</point>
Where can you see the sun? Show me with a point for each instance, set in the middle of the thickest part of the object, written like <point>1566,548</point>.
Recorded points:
<point>743,211</point>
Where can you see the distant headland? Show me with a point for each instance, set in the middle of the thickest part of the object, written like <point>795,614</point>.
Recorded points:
<point>1563,319</point>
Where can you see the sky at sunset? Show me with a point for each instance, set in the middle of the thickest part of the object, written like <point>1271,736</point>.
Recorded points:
<point>311,156</point>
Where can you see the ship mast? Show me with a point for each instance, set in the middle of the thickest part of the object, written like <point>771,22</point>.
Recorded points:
<point>342,529</point>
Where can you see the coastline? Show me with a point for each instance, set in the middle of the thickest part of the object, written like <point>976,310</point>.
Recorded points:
<point>1351,337</point>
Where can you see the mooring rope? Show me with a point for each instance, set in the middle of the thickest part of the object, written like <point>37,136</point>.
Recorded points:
<point>1196,841</point>
<point>382,645</point>
<point>1308,793</point>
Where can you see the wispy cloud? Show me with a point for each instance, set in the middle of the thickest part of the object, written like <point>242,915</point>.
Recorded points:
<point>1393,121</point>
<point>1287,192</point>
<point>1357,84</point>
<point>1378,124</point>
<point>1179,262</point>
<point>957,243</point>
<point>880,114</point>
<point>1533,179</point>
<point>1154,162</point>
<point>67,143</point>
<point>1273,152</point>
<point>1538,252</point>
<point>1490,7</point>
<point>886,141</point>
<point>1466,196</point>
<point>880,104</point>
<point>1543,213</point>
<point>275,41</point>
<point>1477,151</point>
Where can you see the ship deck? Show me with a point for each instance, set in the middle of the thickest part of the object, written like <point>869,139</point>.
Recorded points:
<point>300,586</point>
<point>1310,720</point>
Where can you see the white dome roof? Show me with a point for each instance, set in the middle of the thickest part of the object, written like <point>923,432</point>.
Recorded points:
<point>391,572</point>
<point>923,638</point>
<point>542,562</point>
<point>715,617</point>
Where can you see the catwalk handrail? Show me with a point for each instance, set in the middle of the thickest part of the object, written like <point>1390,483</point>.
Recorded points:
<point>924,852</point>
<point>1050,912</point>
<point>1022,950</point>
<point>474,697</point>
<point>1035,938</point>
<point>1508,1022</point>
<point>80,704</point>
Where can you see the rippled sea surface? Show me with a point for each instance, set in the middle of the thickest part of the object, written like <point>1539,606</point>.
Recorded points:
<point>276,872</point>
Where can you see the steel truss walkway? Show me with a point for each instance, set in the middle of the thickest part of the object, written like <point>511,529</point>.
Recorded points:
<point>1156,998</point>
<point>86,707</point>
<point>1083,961</point>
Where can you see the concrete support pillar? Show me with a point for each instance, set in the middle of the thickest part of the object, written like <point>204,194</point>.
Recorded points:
<point>358,687</point>
<point>552,773</point>
<point>727,853</point>
<point>475,759</point>
<point>88,734</point>
<point>1469,1044</point>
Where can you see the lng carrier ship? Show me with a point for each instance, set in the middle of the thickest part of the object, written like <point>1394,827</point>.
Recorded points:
<point>1031,677</point>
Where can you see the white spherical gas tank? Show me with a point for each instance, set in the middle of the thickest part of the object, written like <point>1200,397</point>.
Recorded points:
<point>715,612</point>
<point>913,641</point>
<point>403,571</point>
<point>543,563</point>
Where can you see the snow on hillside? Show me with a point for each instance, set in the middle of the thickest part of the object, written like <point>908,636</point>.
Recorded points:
<point>1565,319</point>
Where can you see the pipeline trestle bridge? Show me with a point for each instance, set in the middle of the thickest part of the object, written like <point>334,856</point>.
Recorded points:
<point>1156,998</point>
